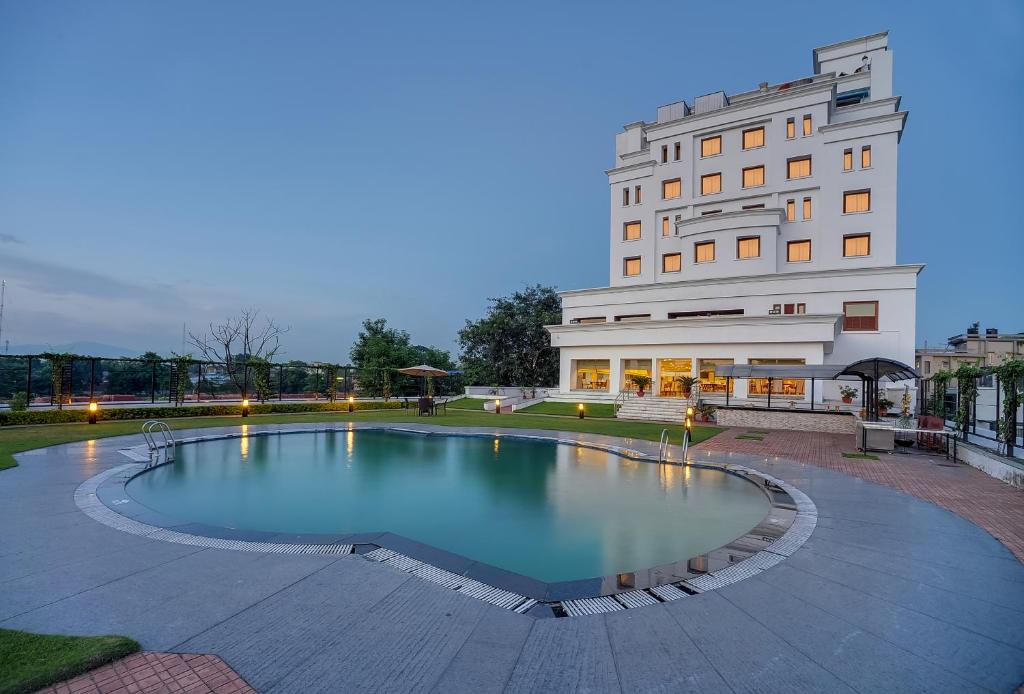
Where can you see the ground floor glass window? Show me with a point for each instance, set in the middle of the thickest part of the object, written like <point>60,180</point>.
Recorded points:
<point>634,367</point>
<point>669,373</point>
<point>591,374</point>
<point>710,381</point>
<point>791,387</point>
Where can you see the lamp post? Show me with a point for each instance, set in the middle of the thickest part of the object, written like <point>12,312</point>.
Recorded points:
<point>245,407</point>
<point>497,407</point>
<point>582,410</point>
<point>351,403</point>
<point>94,409</point>
<point>686,432</point>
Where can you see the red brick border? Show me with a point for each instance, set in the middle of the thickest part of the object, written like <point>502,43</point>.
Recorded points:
<point>157,672</point>
<point>970,493</point>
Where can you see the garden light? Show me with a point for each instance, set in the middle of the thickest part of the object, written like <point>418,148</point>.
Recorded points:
<point>689,411</point>
<point>94,409</point>
<point>689,423</point>
<point>582,410</point>
<point>497,407</point>
<point>245,407</point>
<point>351,403</point>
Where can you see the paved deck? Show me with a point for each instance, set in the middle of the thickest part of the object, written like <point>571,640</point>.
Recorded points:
<point>891,593</point>
<point>157,672</point>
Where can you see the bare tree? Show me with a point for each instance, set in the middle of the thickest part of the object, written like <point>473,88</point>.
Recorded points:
<point>239,343</point>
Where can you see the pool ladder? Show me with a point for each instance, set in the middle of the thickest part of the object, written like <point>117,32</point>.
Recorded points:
<point>663,446</point>
<point>149,431</point>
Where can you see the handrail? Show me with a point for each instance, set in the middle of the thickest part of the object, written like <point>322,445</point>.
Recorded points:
<point>169,444</point>
<point>662,445</point>
<point>624,395</point>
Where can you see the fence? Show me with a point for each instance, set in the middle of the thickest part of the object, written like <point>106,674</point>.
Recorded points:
<point>60,380</point>
<point>986,416</point>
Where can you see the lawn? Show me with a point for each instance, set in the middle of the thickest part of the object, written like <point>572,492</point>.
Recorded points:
<point>32,661</point>
<point>22,438</point>
<point>569,409</point>
<point>476,404</point>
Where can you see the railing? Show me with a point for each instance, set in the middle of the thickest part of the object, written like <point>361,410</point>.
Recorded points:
<point>169,444</point>
<point>621,399</point>
<point>663,445</point>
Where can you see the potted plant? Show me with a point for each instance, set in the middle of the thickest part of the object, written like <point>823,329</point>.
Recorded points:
<point>686,384</point>
<point>884,405</point>
<point>705,413</point>
<point>641,382</point>
<point>905,421</point>
<point>847,393</point>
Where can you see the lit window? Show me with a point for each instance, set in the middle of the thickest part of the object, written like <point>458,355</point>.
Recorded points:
<point>798,251</point>
<point>672,262</point>
<point>710,146</point>
<point>679,151</point>
<point>664,226</point>
<point>798,168</point>
<point>801,308</point>
<point>856,245</point>
<point>807,125</point>
<point>848,160</point>
<point>857,201</point>
<point>790,128</point>
<point>860,315</point>
<point>704,252</point>
<point>791,210</point>
<point>671,189</point>
<point>749,247</point>
<point>625,196</point>
<point>631,231</point>
<point>664,154</point>
<point>637,195</point>
<point>807,208</point>
<point>631,266</point>
<point>711,183</point>
<point>753,138</point>
<point>753,176</point>
<point>865,157</point>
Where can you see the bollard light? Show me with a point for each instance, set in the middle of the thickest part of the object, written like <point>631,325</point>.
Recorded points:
<point>94,410</point>
<point>351,403</point>
<point>689,411</point>
<point>497,407</point>
<point>582,410</point>
<point>245,407</point>
<point>689,423</point>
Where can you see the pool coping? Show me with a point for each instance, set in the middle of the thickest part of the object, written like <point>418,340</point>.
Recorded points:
<point>788,524</point>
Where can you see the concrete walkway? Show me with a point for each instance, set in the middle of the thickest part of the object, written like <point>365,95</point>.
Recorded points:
<point>890,594</point>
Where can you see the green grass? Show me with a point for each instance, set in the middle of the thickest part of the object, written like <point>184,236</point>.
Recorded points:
<point>17,439</point>
<point>32,661</point>
<point>476,404</point>
<point>751,437</point>
<point>569,409</point>
<point>860,456</point>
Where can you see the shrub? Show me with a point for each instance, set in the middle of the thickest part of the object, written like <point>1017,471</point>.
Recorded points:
<point>19,402</point>
<point>124,413</point>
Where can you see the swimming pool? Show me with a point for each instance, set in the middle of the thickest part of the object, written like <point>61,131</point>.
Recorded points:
<point>550,511</point>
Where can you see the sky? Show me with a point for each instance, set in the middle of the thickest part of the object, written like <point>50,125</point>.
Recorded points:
<point>165,164</point>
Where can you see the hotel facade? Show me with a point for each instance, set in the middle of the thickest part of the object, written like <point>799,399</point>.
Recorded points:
<point>756,228</point>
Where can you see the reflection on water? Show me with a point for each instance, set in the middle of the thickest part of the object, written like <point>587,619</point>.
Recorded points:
<point>554,512</point>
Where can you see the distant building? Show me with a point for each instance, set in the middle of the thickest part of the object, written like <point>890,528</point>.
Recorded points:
<point>754,228</point>
<point>972,347</point>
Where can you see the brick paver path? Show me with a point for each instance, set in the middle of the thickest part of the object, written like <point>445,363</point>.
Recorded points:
<point>157,672</point>
<point>966,491</point>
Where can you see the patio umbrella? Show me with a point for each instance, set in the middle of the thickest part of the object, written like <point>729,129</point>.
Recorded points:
<point>424,371</point>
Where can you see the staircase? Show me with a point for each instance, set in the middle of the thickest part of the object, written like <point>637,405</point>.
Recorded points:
<point>654,409</point>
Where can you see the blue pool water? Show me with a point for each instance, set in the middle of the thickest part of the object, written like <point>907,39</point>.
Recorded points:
<point>554,512</point>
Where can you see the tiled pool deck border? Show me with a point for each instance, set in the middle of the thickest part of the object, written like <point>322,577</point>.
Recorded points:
<point>788,524</point>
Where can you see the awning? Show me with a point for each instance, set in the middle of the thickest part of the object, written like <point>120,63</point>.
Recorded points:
<point>822,371</point>
<point>878,368</point>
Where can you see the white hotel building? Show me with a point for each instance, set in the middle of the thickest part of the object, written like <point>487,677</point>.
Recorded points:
<point>756,228</point>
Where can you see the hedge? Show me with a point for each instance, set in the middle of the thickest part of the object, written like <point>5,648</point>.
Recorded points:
<point>119,413</point>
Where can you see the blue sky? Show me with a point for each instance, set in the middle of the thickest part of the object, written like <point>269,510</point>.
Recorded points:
<point>163,163</point>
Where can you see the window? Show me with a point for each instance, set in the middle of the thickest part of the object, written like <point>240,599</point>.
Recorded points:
<point>711,183</point>
<point>865,157</point>
<point>790,128</point>
<point>798,251</point>
<point>625,196</point>
<point>664,226</point>
<point>664,154</point>
<point>856,201</point>
<point>749,247</point>
<point>801,308</point>
<point>672,262</point>
<point>632,318</point>
<point>631,231</point>
<point>679,151</point>
<point>848,160</point>
<point>807,125</point>
<point>710,382</point>
<point>791,210</point>
<point>591,374</point>
<point>631,267</point>
<point>589,320</point>
<point>637,197</point>
<point>792,387</point>
<point>706,313</point>
<point>753,176</point>
<point>704,252</point>
<point>758,206</point>
<point>807,208</point>
<point>710,146</point>
<point>753,138</point>
<point>671,189</point>
<point>669,370</point>
<point>856,245</point>
<point>705,213</point>
<point>799,167</point>
<point>634,367</point>
<point>860,315</point>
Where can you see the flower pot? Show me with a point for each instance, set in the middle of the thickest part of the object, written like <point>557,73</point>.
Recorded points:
<point>847,399</point>
<point>640,392</point>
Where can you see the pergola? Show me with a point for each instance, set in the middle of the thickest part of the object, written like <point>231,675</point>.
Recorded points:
<point>868,371</point>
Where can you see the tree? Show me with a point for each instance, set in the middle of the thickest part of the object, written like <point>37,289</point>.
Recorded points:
<point>238,341</point>
<point>377,352</point>
<point>509,346</point>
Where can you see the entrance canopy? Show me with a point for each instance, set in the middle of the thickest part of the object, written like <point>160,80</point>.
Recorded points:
<point>866,369</point>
